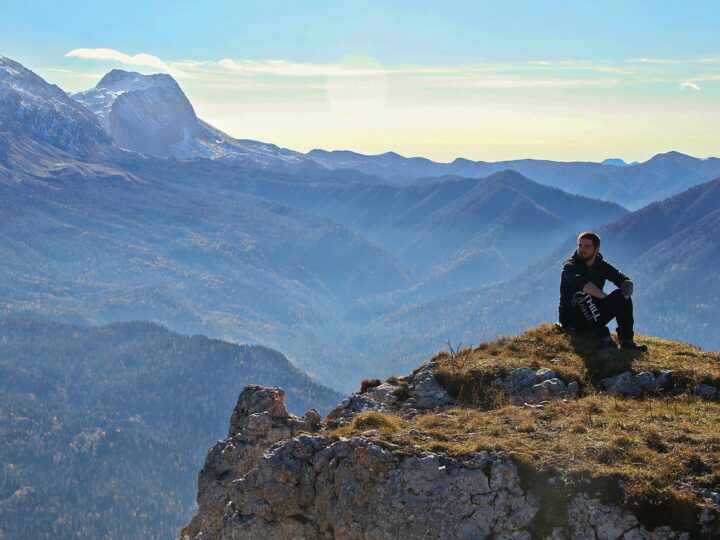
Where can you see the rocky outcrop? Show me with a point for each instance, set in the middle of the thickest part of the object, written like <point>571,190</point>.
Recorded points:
<point>590,518</point>
<point>630,384</point>
<point>536,385</point>
<point>278,476</point>
<point>259,420</point>
<point>268,481</point>
<point>647,382</point>
<point>411,394</point>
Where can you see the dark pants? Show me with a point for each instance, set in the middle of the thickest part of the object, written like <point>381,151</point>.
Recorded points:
<point>592,314</point>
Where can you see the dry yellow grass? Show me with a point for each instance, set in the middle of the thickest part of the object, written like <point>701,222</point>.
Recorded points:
<point>641,452</point>
<point>468,373</point>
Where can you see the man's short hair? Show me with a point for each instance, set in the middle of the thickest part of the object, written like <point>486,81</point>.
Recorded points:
<point>592,236</point>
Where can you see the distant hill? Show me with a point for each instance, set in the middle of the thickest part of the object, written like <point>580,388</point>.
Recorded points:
<point>32,109</point>
<point>103,429</point>
<point>459,232</point>
<point>669,249</point>
<point>150,114</point>
<point>198,259</point>
<point>632,187</point>
<point>615,161</point>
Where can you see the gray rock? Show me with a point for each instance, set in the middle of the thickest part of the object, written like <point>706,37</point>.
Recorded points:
<point>426,392</point>
<point>312,417</point>
<point>664,378</point>
<point>528,386</point>
<point>308,486</point>
<point>548,389</point>
<point>520,381</point>
<point>544,374</point>
<point>573,389</point>
<point>706,391</point>
<point>590,518</point>
<point>355,404</point>
<point>270,480</point>
<point>385,393</point>
<point>635,385</point>
<point>259,420</point>
<point>623,384</point>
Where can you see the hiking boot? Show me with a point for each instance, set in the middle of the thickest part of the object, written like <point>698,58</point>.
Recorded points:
<point>630,345</point>
<point>607,342</point>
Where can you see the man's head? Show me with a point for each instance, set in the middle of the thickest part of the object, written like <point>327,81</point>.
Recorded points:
<point>588,246</point>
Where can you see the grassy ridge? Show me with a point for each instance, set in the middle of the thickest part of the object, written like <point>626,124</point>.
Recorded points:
<point>655,455</point>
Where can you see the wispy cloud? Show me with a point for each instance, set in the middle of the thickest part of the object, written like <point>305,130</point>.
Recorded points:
<point>539,74</point>
<point>140,60</point>
<point>661,61</point>
<point>293,69</point>
<point>501,82</point>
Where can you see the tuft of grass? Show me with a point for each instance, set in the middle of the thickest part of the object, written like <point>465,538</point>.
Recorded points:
<point>386,425</point>
<point>368,384</point>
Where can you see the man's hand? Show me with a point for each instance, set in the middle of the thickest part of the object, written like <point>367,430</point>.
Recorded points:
<point>593,290</point>
<point>626,288</point>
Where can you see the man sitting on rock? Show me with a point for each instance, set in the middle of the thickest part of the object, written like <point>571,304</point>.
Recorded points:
<point>584,307</point>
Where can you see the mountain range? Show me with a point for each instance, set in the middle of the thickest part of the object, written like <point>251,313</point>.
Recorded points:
<point>632,186</point>
<point>668,248</point>
<point>335,258</point>
<point>119,204</point>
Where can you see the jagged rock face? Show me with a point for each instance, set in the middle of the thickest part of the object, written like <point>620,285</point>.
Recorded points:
<point>268,480</point>
<point>259,420</point>
<point>151,114</point>
<point>313,487</point>
<point>590,518</point>
<point>34,110</point>
<point>145,113</point>
<point>310,487</point>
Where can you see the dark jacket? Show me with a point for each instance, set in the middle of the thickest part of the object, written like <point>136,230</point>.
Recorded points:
<point>576,274</point>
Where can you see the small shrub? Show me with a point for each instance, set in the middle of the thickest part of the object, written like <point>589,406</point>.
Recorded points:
<point>385,423</point>
<point>368,384</point>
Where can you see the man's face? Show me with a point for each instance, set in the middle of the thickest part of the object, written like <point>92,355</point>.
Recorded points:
<point>586,250</point>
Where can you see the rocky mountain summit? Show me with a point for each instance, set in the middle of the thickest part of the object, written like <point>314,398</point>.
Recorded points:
<point>150,114</point>
<point>534,436</point>
<point>44,132</point>
<point>32,108</point>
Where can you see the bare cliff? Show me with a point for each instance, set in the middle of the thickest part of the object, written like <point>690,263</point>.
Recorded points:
<point>537,436</point>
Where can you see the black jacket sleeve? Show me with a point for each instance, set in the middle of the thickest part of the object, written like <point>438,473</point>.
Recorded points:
<point>572,275</point>
<point>613,274</point>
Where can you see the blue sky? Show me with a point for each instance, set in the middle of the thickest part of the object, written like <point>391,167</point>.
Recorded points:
<point>484,80</point>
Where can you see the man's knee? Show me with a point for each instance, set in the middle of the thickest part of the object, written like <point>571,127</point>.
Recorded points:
<point>617,300</point>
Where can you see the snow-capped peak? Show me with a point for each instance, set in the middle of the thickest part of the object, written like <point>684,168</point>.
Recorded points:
<point>119,80</point>
<point>33,109</point>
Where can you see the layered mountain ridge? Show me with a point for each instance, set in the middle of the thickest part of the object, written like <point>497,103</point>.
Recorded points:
<point>313,259</point>
<point>634,186</point>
